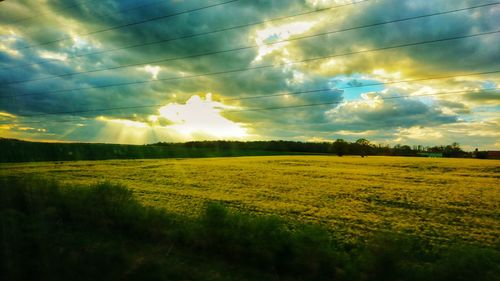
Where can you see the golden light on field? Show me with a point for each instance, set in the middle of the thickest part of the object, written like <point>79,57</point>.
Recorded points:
<point>440,199</point>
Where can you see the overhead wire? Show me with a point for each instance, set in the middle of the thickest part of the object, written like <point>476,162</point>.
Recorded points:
<point>187,36</point>
<point>78,4</point>
<point>72,74</point>
<point>270,96</point>
<point>283,64</point>
<point>261,66</point>
<point>128,24</point>
<point>339,102</point>
<point>261,108</point>
<point>364,85</point>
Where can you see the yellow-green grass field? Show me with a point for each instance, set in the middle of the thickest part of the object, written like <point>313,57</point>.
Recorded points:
<point>440,199</point>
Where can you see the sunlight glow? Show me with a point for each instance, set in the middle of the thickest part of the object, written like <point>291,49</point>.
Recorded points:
<point>197,119</point>
<point>384,75</point>
<point>418,133</point>
<point>153,70</point>
<point>153,118</point>
<point>5,115</point>
<point>201,117</point>
<point>81,44</point>
<point>10,51</point>
<point>128,123</point>
<point>52,55</point>
<point>327,3</point>
<point>124,131</point>
<point>425,90</point>
<point>372,99</point>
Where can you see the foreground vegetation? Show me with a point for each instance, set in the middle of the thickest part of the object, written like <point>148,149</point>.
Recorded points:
<point>100,232</point>
<point>440,200</point>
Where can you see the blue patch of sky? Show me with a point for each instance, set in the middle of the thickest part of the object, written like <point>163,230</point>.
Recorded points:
<point>489,85</point>
<point>467,118</point>
<point>487,108</point>
<point>429,101</point>
<point>271,38</point>
<point>480,112</point>
<point>354,85</point>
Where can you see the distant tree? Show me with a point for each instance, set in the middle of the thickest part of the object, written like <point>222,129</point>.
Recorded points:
<point>481,154</point>
<point>453,150</point>
<point>340,147</point>
<point>363,147</point>
<point>436,149</point>
<point>403,150</point>
<point>363,142</point>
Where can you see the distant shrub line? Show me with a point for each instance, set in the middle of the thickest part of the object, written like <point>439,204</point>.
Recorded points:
<point>100,232</point>
<point>24,151</point>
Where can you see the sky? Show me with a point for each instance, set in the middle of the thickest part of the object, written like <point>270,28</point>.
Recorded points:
<point>413,72</point>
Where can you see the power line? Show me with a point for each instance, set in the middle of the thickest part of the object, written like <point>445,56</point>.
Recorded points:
<point>339,102</point>
<point>251,46</point>
<point>262,66</point>
<point>264,96</point>
<point>364,85</point>
<point>76,5</point>
<point>128,24</point>
<point>193,35</point>
<point>250,109</point>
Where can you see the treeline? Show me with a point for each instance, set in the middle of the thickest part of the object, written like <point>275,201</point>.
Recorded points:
<point>101,232</point>
<point>24,151</point>
<point>13,150</point>
<point>340,147</point>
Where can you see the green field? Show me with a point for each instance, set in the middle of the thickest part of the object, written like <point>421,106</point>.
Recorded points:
<point>441,200</point>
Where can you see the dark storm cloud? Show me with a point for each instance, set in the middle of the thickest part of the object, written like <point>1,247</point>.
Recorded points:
<point>466,54</point>
<point>456,107</point>
<point>359,117</point>
<point>492,96</point>
<point>168,28</point>
<point>389,114</point>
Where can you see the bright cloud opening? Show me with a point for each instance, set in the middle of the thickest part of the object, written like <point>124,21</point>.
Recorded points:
<point>153,70</point>
<point>418,133</point>
<point>6,115</point>
<point>9,51</point>
<point>265,37</point>
<point>197,119</point>
<point>81,44</point>
<point>52,55</point>
<point>128,123</point>
<point>201,117</point>
<point>327,3</point>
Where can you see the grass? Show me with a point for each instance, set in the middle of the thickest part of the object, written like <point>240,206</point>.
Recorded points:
<point>101,232</point>
<point>441,200</point>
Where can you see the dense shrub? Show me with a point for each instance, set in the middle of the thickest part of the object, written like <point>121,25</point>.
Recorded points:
<point>100,232</point>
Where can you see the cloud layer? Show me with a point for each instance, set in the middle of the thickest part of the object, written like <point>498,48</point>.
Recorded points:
<point>129,72</point>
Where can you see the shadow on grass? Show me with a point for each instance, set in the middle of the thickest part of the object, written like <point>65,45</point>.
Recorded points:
<point>100,232</point>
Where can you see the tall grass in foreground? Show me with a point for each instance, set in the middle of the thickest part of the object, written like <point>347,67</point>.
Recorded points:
<point>100,232</point>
